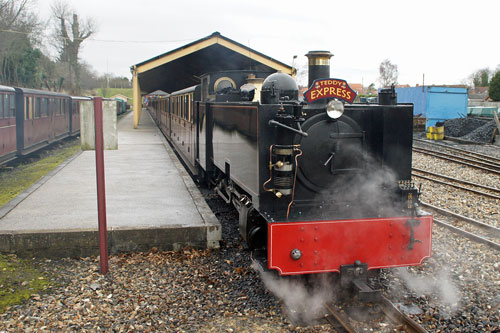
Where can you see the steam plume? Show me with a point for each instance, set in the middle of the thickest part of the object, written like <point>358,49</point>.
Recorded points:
<point>304,302</point>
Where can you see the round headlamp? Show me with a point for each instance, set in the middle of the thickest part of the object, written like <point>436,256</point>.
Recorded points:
<point>334,109</point>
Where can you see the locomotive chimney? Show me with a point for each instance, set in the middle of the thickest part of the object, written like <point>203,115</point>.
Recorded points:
<point>319,65</point>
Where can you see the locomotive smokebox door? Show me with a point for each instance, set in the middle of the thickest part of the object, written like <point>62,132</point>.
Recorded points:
<point>334,148</point>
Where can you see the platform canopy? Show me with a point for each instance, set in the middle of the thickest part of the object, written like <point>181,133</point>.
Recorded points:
<point>182,67</point>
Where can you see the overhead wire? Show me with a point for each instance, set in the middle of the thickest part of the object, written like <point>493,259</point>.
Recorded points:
<point>108,40</point>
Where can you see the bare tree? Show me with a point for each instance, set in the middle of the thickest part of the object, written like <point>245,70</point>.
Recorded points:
<point>69,36</point>
<point>388,73</point>
<point>20,31</point>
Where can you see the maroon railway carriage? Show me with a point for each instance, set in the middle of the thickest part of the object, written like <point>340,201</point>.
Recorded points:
<point>42,117</point>
<point>32,119</point>
<point>8,147</point>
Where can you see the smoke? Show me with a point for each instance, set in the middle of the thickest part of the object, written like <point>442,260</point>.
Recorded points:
<point>304,301</point>
<point>439,286</point>
<point>368,193</point>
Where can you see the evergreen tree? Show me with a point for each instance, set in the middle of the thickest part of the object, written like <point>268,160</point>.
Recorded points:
<point>494,89</point>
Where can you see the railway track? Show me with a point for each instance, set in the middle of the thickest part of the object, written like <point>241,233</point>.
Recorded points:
<point>474,230</point>
<point>484,190</point>
<point>478,156</point>
<point>398,320</point>
<point>471,162</point>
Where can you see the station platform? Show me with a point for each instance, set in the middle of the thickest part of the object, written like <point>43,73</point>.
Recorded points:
<point>151,202</point>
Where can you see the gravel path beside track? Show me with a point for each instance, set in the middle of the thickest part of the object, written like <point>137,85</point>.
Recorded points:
<point>462,202</point>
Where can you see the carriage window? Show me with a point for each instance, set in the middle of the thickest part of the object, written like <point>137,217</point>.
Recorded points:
<point>45,107</point>
<point>50,106</point>
<point>38,107</point>
<point>1,106</point>
<point>12,106</point>
<point>32,108</point>
<point>27,108</point>
<point>5,109</point>
<point>191,107</point>
<point>183,107</point>
<point>6,106</point>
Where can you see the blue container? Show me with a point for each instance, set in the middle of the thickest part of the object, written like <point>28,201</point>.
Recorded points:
<point>435,103</point>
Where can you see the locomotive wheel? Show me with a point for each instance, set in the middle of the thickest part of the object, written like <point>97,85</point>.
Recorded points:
<point>256,231</point>
<point>256,237</point>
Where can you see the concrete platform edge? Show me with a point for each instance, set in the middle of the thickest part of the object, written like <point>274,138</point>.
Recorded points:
<point>85,242</point>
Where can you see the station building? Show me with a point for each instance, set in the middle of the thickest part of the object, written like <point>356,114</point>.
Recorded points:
<point>183,67</point>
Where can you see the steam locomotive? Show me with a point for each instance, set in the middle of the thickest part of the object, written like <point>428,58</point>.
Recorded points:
<point>320,185</point>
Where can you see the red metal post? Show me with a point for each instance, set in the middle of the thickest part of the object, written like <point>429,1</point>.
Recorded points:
<point>101,188</point>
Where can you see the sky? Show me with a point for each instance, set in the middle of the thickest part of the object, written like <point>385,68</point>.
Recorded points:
<point>440,41</point>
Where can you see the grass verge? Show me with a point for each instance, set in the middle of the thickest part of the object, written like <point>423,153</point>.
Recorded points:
<point>15,181</point>
<point>19,280</point>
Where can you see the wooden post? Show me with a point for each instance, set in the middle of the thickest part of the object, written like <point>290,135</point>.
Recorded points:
<point>101,190</point>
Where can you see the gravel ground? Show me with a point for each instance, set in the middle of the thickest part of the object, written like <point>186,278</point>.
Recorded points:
<point>458,289</point>
<point>207,291</point>
<point>462,202</point>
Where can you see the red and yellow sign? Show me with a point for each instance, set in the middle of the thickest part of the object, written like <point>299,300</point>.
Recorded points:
<point>330,88</point>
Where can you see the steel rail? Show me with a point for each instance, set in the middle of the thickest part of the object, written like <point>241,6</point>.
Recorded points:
<point>456,160</point>
<point>489,228</point>
<point>485,187</point>
<point>460,158</point>
<point>339,319</point>
<point>409,325</point>
<point>457,186</point>
<point>484,157</point>
<point>469,235</point>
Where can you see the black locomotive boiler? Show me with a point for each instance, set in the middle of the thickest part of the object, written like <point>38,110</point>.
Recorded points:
<point>319,186</point>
